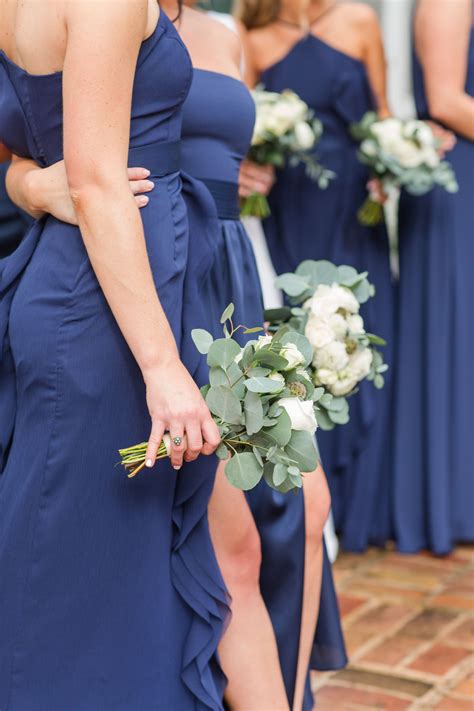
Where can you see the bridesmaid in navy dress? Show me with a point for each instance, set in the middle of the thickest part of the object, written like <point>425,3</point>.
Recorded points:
<point>336,65</point>
<point>110,595</point>
<point>434,461</point>
<point>214,143</point>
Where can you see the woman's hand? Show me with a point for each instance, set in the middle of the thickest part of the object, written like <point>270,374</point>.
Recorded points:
<point>47,191</point>
<point>255,178</point>
<point>446,138</point>
<point>176,406</point>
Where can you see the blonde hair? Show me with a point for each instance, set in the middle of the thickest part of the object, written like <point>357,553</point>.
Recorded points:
<point>257,13</point>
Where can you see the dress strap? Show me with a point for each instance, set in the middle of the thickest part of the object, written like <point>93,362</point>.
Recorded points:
<point>325,12</point>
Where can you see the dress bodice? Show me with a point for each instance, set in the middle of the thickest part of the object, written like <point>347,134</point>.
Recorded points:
<point>333,84</point>
<point>418,81</point>
<point>31,105</point>
<point>218,121</point>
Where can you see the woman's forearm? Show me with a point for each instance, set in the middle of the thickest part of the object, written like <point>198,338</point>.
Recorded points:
<point>22,186</point>
<point>453,109</point>
<point>113,235</point>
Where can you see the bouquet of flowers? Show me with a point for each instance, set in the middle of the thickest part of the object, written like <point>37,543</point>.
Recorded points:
<point>285,131</point>
<point>261,398</point>
<point>327,301</point>
<point>399,153</point>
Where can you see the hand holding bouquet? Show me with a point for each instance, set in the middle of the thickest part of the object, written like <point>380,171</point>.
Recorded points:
<point>261,398</point>
<point>285,131</point>
<point>400,153</point>
<point>327,302</point>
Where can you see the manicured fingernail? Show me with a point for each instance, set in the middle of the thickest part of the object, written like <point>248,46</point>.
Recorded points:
<point>149,463</point>
<point>177,468</point>
<point>146,172</point>
<point>143,200</point>
<point>150,184</point>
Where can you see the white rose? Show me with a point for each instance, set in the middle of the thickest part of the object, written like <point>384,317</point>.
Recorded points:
<point>263,341</point>
<point>420,132</point>
<point>387,131</point>
<point>430,157</point>
<point>304,135</point>
<point>333,356</point>
<point>355,324</point>
<point>360,363</point>
<point>343,386</point>
<point>345,299</point>
<point>292,355</point>
<point>408,154</point>
<point>318,332</point>
<point>301,413</point>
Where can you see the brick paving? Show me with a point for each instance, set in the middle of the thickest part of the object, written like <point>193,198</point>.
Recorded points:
<point>409,626</point>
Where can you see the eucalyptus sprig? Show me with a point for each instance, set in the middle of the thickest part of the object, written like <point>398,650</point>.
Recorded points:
<point>261,398</point>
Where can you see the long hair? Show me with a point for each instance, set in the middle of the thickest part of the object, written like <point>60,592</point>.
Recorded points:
<point>257,13</point>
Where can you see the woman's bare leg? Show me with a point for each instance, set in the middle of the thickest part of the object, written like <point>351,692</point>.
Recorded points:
<point>248,650</point>
<point>317,505</point>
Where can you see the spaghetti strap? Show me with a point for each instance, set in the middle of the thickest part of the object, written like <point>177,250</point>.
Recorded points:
<point>325,13</point>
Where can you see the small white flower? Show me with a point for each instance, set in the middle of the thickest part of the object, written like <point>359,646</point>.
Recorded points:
<point>343,386</point>
<point>304,135</point>
<point>277,377</point>
<point>318,332</point>
<point>301,413</point>
<point>338,325</point>
<point>327,377</point>
<point>292,355</point>
<point>355,324</point>
<point>360,363</point>
<point>263,341</point>
<point>303,373</point>
<point>333,356</point>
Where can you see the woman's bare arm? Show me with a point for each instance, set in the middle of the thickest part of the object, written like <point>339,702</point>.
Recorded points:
<point>102,37</point>
<point>46,190</point>
<point>442,30</point>
<point>4,153</point>
<point>374,58</point>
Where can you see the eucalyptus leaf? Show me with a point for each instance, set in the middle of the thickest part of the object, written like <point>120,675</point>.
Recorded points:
<point>225,404</point>
<point>223,352</point>
<point>318,272</point>
<point>268,476</point>
<point>302,450</point>
<point>202,340</point>
<point>265,356</point>
<point>222,452</point>
<point>227,313</point>
<point>339,417</point>
<point>292,284</point>
<point>280,473</point>
<point>262,385</point>
<point>254,329</point>
<point>324,421</point>
<point>244,471</point>
<point>253,412</point>
<point>218,376</point>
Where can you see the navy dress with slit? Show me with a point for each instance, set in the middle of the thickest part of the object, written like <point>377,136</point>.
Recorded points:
<point>217,129</point>
<point>110,594</point>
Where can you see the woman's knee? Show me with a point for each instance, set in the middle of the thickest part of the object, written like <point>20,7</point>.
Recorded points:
<point>241,560</point>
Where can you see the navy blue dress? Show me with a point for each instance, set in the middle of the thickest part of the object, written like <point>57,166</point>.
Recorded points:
<point>217,128</point>
<point>13,222</point>
<point>110,594</point>
<point>434,459</point>
<point>309,223</point>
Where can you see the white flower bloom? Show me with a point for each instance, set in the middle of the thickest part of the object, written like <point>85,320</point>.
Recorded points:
<point>355,324</point>
<point>360,363</point>
<point>343,386</point>
<point>304,135</point>
<point>369,147</point>
<point>292,355</point>
<point>325,377</point>
<point>338,325</point>
<point>263,341</point>
<point>318,332</point>
<point>301,413</point>
<point>333,356</point>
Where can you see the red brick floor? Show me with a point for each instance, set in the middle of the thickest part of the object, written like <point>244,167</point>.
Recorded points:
<point>409,626</point>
